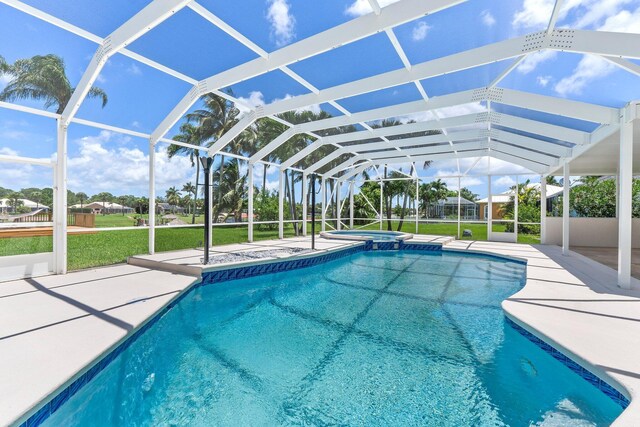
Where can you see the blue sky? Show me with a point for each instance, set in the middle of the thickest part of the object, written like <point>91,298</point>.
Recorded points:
<point>139,96</point>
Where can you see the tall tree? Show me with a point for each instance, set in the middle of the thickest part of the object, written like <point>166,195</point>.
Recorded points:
<point>192,135</point>
<point>173,197</point>
<point>82,197</point>
<point>42,78</point>
<point>189,188</point>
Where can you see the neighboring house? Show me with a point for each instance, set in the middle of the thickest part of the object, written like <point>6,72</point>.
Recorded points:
<point>166,208</point>
<point>499,200</point>
<point>448,208</point>
<point>104,207</point>
<point>5,207</point>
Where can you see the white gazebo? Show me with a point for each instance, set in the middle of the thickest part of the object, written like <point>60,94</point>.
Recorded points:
<point>540,147</point>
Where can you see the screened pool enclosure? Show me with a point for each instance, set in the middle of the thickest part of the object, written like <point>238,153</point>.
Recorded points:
<point>536,133</point>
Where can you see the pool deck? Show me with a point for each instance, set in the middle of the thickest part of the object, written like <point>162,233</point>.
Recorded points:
<point>574,304</point>
<point>54,327</point>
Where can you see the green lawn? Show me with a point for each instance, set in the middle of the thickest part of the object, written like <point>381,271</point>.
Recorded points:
<point>127,220</point>
<point>111,247</point>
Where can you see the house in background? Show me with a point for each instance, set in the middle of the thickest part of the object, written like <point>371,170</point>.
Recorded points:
<point>6,208</point>
<point>166,208</point>
<point>104,208</point>
<point>498,201</point>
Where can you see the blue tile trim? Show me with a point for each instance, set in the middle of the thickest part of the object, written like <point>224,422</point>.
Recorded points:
<point>421,247</point>
<point>594,380</point>
<point>218,276</point>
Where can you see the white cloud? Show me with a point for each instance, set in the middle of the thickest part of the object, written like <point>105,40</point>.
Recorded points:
<point>134,69</point>
<point>503,181</point>
<point>625,22</point>
<point>282,21</point>
<point>314,108</point>
<point>255,99</point>
<point>8,151</point>
<point>588,69</point>
<point>135,124</point>
<point>420,31</point>
<point>101,79</point>
<point>591,67</point>
<point>362,7</point>
<point>487,18</point>
<point>535,14</point>
<point>532,60</point>
<point>543,80</point>
<point>598,11</point>
<point>100,166</point>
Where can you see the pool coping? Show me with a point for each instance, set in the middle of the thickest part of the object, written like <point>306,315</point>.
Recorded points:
<point>222,273</point>
<point>330,235</point>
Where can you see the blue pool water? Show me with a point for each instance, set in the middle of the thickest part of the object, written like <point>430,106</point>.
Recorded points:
<point>378,236</point>
<point>376,338</point>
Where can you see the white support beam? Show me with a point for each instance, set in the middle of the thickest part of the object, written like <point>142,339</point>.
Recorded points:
<point>236,130</point>
<point>467,119</point>
<point>351,207</point>
<point>323,208</point>
<point>305,205</point>
<point>625,201</point>
<point>281,203</point>
<point>250,197</point>
<point>284,137</point>
<point>60,202</point>
<point>543,210</point>
<point>355,171</point>
<point>538,168</point>
<point>325,160</point>
<point>26,160</point>
<point>552,105</point>
<point>507,71</point>
<point>524,153</point>
<point>566,187</point>
<point>149,17</point>
<point>152,198</point>
<point>444,148</point>
<point>530,143</point>
<point>417,159</point>
<point>540,128</point>
<point>629,66</point>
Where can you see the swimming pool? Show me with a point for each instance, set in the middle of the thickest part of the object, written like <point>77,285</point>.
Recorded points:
<point>375,338</point>
<point>376,236</point>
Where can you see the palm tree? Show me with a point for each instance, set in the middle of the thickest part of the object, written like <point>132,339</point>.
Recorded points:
<point>82,197</point>
<point>36,198</point>
<point>42,78</point>
<point>192,135</point>
<point>189,188</point>
<point>14,200</point>
<point>214,120</point>
<point>173,197</point>
<point>233,187</point>
<point>122,200</point>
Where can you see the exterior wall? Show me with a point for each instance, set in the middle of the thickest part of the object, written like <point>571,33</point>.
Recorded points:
<point>594,232</point>
<point>495,208</point>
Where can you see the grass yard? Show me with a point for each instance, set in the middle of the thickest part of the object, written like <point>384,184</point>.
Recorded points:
<point>127,220</point>
<point>112,247</point>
